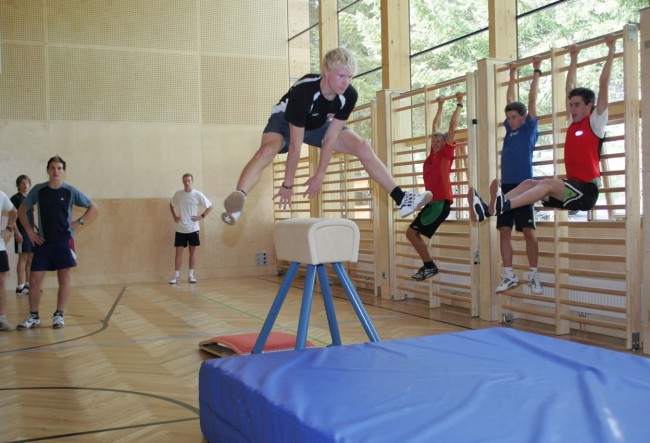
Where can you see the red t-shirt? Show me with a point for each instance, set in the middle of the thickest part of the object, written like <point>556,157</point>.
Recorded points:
<point>581,158</point>
<point>437,168</point>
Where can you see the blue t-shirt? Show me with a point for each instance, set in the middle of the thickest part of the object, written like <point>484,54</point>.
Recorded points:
<point>55,209</point>
<point>517,153</point>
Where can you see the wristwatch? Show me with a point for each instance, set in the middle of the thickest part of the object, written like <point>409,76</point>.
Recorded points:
<point>9,228</point>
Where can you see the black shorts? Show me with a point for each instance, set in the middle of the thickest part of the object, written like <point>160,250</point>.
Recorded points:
<point>431,217</point>
<point>4,261</point>
<point>183,240</point>
<point>578,196</point>
<point>52,256</point>
<point>521,218</point>
<point>280,125</point>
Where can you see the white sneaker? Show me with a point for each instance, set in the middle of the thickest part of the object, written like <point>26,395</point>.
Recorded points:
<point>478,209</point>
<point>6,325</point>
<point>534,284</point>
<point>175,281</point>
<point>412,202</point>
<point>230,219</point>
<point>232,207</point>
<point>191,279</point>
<point>496,198</point>
<point>32,322</point>
<point>507,282</point>
<point>57,320</point>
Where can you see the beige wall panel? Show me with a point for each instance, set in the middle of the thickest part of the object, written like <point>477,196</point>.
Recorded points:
<point>297,16</point>
<point>107,85</point>
<point>231,27</point>
<point>226,150</point>
<point>22,20</point>
<point>22,82</point>
<point>155,24</point>
<point>113,160</point>
<point>129,241</point>
<point>238,90</point>
<point>24,150</point>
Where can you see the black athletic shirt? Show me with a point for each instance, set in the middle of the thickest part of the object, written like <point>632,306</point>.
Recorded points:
<point>305,107</point>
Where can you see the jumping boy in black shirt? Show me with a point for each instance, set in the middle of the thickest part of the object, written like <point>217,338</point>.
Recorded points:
<point>314,111</point>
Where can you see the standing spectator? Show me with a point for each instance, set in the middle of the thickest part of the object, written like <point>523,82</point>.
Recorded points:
<point>436,171</point>
<point>54,243</point>
<point>5,235</point>
<point>23,247</point>
<point>187,202</point>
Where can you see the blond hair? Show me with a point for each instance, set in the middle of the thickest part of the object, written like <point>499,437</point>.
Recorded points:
<point>340,56</point>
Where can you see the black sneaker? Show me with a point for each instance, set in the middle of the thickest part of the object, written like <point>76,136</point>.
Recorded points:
<point>424,273</point>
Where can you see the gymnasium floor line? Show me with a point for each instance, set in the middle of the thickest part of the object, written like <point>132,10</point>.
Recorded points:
<point>104,325</point>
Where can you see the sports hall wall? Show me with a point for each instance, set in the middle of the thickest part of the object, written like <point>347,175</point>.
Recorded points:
<point>133,94</point>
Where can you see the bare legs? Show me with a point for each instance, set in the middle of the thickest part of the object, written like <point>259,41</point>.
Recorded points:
<point>270,145</point>
<point>418,243</point>
<point>36,282</point>
<point>22,267</point>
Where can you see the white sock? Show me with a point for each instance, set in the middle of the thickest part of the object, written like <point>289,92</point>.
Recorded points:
<point>509,272</point>
<point>533,269</point>
<point>191,272</point>
<point>177,274</point>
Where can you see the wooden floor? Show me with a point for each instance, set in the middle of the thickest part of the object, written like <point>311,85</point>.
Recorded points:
<point>125,367</point>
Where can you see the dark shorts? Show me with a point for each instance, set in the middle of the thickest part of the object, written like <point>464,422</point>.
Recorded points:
<point>521,218</point>
<point>279,125</point>
<point>578,196</point>
<point>4,261</point>
<point>183,240</point>
<point>431,217</point>
<point>52,256</point>
<point>25,246</point>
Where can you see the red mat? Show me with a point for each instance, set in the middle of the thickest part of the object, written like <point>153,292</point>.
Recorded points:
<point>242,344</point>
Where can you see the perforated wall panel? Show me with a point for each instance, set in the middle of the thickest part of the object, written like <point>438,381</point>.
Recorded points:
<point>243,27</point>
<point>22,83</point>
<point>21,20</point>
<point>239,90</point>
<point>155,24</point>
<point>106,85</point>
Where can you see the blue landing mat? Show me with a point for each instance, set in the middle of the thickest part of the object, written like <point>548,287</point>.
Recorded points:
<point>490,385</point>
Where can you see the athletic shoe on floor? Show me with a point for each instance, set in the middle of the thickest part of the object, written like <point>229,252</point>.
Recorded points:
<point>478,209</point>
<point>22,291</point>
<point>191,279</point>
<point>496,198</point>
<point>507,282</point>
<point>57,320</point>
<point>6,325</point>
<point>412,201</point>
<point>232,207</point>
<point>424,273</point>
<point>534,284</point>
<point>175,281</point>
<point>33,321</point>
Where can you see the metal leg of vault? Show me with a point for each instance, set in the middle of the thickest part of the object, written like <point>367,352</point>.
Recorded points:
<point>275,308</point>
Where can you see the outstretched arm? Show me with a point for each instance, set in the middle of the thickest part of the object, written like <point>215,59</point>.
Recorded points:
<point>603,87</point>
<point>435,125</point>
<point>453,122</point>
<point>534,86</point>
<point>571,74</point>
